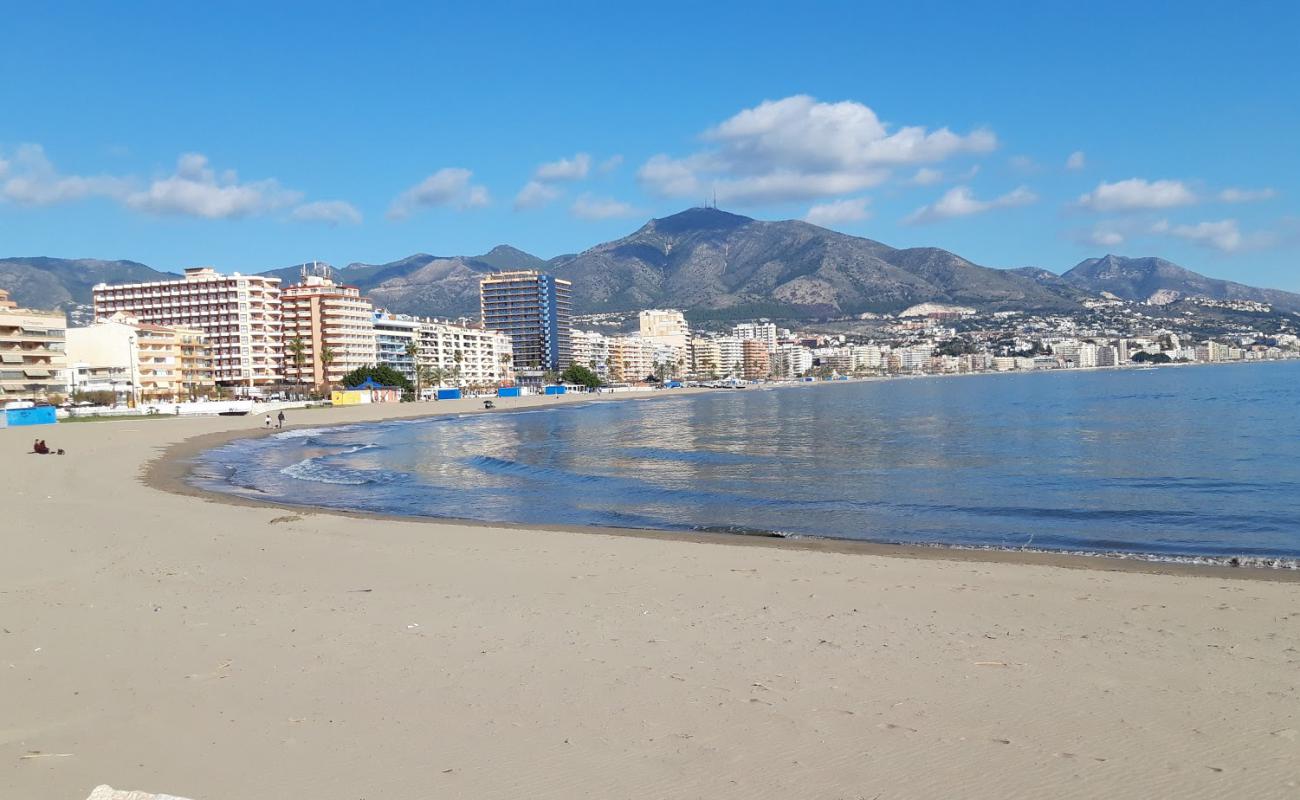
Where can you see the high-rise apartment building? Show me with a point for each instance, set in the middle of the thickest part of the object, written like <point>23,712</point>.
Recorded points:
<point>765,332</point>
<point>665,325</point>
<point>756,361</point>
<point>31,351</point>
<point>239,316</point>
<point>535,311</point>
<point>329,330</point>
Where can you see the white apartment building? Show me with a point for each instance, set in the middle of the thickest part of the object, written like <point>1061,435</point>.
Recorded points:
<point>631,358</point>
<point>706,357</point>
<point>914,359</point>
<point>591,350</point>
<point>323,318</point>
<point>791,361</point>
<point>763,331</point>
<point>137,361</point>
<point>869,357</point>
<point>666,325</point>
<point>394,336</point>
<point>465,356</point>
<point>239,316</point>
<point>731,351</point>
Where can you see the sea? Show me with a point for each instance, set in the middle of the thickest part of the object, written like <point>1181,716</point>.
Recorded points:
<point>1195,463</point>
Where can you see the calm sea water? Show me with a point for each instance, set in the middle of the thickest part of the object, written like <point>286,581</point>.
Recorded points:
<point>1199,461</point>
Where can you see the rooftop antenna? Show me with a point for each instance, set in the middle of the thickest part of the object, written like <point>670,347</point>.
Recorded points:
<point>715,198</point>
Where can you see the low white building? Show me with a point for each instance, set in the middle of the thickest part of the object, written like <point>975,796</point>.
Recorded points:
<point>465,356</point>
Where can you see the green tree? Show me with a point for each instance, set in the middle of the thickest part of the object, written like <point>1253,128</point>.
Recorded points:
<point>580,375</point>
<point>458,357</point>
<point>297,348</point>
<point>413,353</point>
<point>326,358</point>
<point>381,374</point>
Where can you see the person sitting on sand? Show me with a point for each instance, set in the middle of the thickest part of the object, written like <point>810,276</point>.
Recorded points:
<point>41,448</point>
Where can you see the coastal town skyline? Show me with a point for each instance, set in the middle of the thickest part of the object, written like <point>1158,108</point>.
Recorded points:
<point>944,156</point>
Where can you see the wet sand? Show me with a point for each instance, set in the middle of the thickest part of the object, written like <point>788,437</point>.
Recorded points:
<point>212,648</point>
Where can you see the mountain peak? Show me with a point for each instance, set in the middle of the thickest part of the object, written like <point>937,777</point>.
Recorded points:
<point>699,219</point>
<point>504,257</point>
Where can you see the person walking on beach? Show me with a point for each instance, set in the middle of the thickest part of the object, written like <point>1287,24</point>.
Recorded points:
<point>268,422</point>
<point>279,421</point>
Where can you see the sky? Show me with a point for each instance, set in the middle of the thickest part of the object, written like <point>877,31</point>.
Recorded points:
<point>250,136</point>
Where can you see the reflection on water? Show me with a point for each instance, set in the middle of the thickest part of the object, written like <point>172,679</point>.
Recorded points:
<point>1190,461</point>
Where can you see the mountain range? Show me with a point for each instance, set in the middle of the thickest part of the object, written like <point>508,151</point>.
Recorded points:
<point>713,264</point>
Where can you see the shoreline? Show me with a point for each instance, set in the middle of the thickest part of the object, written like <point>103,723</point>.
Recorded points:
<point>171,472</point>
<point>152,639</point>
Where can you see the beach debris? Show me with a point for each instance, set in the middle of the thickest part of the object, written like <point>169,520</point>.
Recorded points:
<point>290,518</point>
<point>30,754</point>
<point>356,591</point>
<point>105,792</point>
<point>216,673</point>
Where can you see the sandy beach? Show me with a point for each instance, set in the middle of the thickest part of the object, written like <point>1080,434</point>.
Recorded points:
<point>167,641</point>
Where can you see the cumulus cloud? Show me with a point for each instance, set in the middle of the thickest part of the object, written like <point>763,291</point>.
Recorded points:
<point>960,201</point>
<point>449,186</point>
<point>590,207</point>
<point>535,194</point>
<point>1105,237</point>
<point>1076,161</point>
<point>1235,195</point>
<point>838,212</point>
<point>1137,194</point>
<point>195,189</point>
<point>1024,164</point>
<point>331,212</point>
<point>926,176</point>
<point>565,169</point>
<point>799,148</point>
<point>30,179</point>
<point>1223,235</point>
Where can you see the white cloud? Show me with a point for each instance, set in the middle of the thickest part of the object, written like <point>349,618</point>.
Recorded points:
<point>838,212</point>
<point>1138,194</point>
<point>798,148</point>
<point>612,163</point>
<point>566,169</point>
<point>960,201</point>
<point>31,179</point>
<point>331,212</point>
<point>1024,164</point>
<point>449,186</point>
<point>1076,161</point>
<point>1223,235</point>
<point>1235,195</point>
<point>1106,237</point>
<point>535,194</point>
<point>590,207</point>
<point>926,176</point>
<point>195,189</point>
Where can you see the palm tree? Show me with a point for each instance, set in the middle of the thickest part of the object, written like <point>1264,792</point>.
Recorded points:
<point>413,352</point>
<point>326,358</point>
<point>458,357</point>
<point>296,350</point>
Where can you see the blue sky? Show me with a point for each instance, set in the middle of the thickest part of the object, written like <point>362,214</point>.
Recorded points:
<point>251,136</point>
